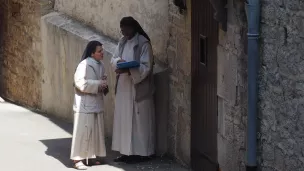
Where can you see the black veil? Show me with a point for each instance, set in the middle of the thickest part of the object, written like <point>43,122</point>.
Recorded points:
<point>131,22</point>
<point>91,48</point>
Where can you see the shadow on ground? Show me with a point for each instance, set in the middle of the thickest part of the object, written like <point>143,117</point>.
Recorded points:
<point>39,135</point>
<point>60,150</point>
<point>68,127</point>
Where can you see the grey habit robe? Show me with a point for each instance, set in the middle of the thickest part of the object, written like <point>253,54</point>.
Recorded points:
<point>88,132</point>
<point>134,123</point>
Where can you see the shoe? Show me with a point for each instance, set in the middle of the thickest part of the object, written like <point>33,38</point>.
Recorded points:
<point>80,166</point>
<point>122,158</point>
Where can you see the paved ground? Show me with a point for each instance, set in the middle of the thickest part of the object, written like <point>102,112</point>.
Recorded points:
<point>33,142</point>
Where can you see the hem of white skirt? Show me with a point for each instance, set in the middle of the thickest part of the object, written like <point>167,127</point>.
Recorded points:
<point>83,158</point>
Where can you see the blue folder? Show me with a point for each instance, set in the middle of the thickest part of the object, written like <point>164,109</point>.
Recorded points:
<point>126,65</point>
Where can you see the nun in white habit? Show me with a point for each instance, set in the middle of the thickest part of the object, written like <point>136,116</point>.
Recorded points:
<point>134,123</point>
<point>90,87</point>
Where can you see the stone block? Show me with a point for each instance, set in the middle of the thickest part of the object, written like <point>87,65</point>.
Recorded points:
<point>273,34</point>
<point>268,152</point>
<point>227,72</point>
<point>183,136</point>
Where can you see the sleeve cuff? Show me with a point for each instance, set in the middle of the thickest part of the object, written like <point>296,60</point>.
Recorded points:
<point>115,61</point>
<point>93,86</point>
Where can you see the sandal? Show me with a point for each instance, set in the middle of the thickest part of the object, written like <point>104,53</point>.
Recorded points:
<point>80,166</point>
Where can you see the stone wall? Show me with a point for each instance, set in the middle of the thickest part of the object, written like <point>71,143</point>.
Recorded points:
<point>64,40</point>
<point>281,88</point>
<point>171,39</point>
<point>179,61</point>
<point>170,32</point>
<point>23,64</point>
<point>232,90</point>
<point>104,15</point>
<point>21,59</point>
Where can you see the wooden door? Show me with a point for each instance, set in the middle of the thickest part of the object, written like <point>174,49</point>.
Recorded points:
<point>204,87</point>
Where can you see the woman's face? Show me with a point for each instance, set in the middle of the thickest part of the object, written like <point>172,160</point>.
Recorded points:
<point>98,54</point>
<point>127,31</point>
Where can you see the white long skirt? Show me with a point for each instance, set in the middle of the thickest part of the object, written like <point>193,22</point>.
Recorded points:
<point>133,128</point>
<point>88,136</point>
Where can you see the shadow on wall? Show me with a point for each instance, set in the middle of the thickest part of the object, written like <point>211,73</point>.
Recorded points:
<point>64,40</point>
<point>3,13</point>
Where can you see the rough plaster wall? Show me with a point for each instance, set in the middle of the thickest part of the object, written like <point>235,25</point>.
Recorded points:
<point>63,43</point>
<point>64,40</point>
<point>179,60</point>
<point>171,35</point>
<point>281,89</point>
<point>104,15</point>
<point>21,60</point>
<point>232,90</point>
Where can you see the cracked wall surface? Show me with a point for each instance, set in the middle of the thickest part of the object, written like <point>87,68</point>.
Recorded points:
<point>105,15</point>
<point>281,88</point>
<point>232,89</point>
<point>21,51</point>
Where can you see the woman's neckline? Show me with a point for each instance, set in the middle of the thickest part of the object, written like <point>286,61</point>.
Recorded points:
<point>133,38</point>
<point>94,59</point>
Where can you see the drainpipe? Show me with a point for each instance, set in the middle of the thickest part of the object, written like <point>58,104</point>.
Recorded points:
<point>253,19</point>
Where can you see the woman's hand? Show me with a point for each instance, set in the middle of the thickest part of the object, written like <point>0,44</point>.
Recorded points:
<point>103,85</point>
<point>121,71</point>
<point>121,60</point>
<point>103,82</point>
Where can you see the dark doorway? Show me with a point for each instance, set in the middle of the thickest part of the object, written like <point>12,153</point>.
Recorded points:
<point>204,87</point>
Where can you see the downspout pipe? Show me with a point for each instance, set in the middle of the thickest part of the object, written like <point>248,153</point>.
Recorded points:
<point>253,20</point>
